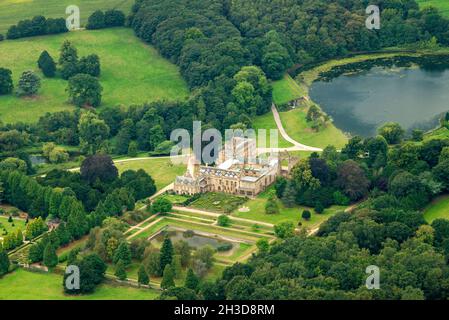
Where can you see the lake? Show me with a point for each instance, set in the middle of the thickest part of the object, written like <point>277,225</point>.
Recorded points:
<point>359,103</point>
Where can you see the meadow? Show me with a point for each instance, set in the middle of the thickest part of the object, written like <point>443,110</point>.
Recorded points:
<point>132,72</point>
<point>286,89</point>
<point>12,11</point>
<point>442,5</point>
<point>26,285</point>
<point>438,209</point>
<point>162,170</point>
<point>297,127</point>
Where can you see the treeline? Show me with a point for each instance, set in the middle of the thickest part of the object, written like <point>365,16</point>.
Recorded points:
<point>110,18</point>
<point>37,26</point>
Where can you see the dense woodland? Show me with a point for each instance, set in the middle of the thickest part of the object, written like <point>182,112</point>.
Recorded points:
<point>228,51</point>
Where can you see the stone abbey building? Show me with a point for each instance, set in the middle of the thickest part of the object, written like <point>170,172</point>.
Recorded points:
<point>238,171</point>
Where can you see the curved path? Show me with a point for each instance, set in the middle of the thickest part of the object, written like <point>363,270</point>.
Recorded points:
<point>296,145</point>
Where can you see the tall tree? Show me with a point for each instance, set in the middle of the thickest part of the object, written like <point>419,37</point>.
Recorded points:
<point>166,256</point>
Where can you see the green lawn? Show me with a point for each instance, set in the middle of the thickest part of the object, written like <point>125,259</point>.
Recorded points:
<point>438,209</point>
<point>10,227</point>
<point>443,5</point>
<point>267,122</point>
<point>132,72</point>
<point>162,170</point>
<point>294,122</point>
<point>257,212</point>
<point>26,285</point>
<point>287,89</point>
<point>11,11</point>
<point>217,202</point>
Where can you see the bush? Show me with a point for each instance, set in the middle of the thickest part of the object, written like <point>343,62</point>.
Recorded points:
<point>37,26</point>
<point>96,20</point>
<point>114,18</point>
<point>29,84</point>
<point>319,208</point>
<point>223,221</point>
<point>306,215</point>
<point>340,199</point>
<point>224,247</point>
<point>2,37</point>
<point>6,84</point>
<point>90,65</point>
<point>47,64</point>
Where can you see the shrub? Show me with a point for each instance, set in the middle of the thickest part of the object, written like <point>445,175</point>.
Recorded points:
<point>340,198</point>
<point>114,18</point>
<point>90,65</point>
<point>29,84</point>
<point>96,20</point>
<point>6,84</point>
<point>319,208</point>
<point>306,215</point>
<point>47,64</point>
<point>223,221</point>
<point>1,37</point>
<point>37,26</point>
<point>224,247</point>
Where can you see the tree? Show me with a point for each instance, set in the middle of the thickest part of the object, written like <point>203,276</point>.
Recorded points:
<point>441,173</point>
<point>120,271</point>
<point>263,245</point>
<point>352,180</point>
<point>166,253</point>
<point>271,207</point>
<point>90,65</point>
<point>13,164</point>
<point>4,261</point>
<point>123,254</point>
<point>96,20</point>
<point>392,132</point>
<point>68,53</point>
<point>114,18</point>
<point>6,84</point>
<point>92,271</point>
<point>168,278</point>
<point>205,255</point>
<point>84,90</point>
<point>223,220</point>
<point>161,205</point>
<point>92,132</point>
<point>284,230</point>
<point>132,149</point>
<point>306,215</point>
<point>142,276</point>
<point>275,60</point>
<point>192,280</point>
<point>50,257</point>
<point>183,249</point>
<point>47,64</point>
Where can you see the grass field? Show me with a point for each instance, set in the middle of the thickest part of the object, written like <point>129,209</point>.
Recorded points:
<point>132,72</point>
<point>10,227</point>
<point>11,11</point>
<point>26,285</point>
<point>267,122</point>
<point>217,202</point>
<point>438,209</point>
<point>442,5</point>
<point>294,122</point>
<point>286,89</point>
<point>162,170</point>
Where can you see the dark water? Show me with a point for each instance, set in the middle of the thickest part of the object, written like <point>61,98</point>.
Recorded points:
<point>361,102</point>
<point>195,241</point>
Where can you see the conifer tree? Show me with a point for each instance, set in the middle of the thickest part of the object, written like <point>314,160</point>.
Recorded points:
<point>50,257</point>
<point>123,254</point>
<point>168,279</point>
<point>142,276</point>
<point>192,280</point>
<point>166,256</point>
<point>120,270</point>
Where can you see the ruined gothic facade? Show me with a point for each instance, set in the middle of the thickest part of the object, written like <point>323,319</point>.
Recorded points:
<point>238,171</point>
